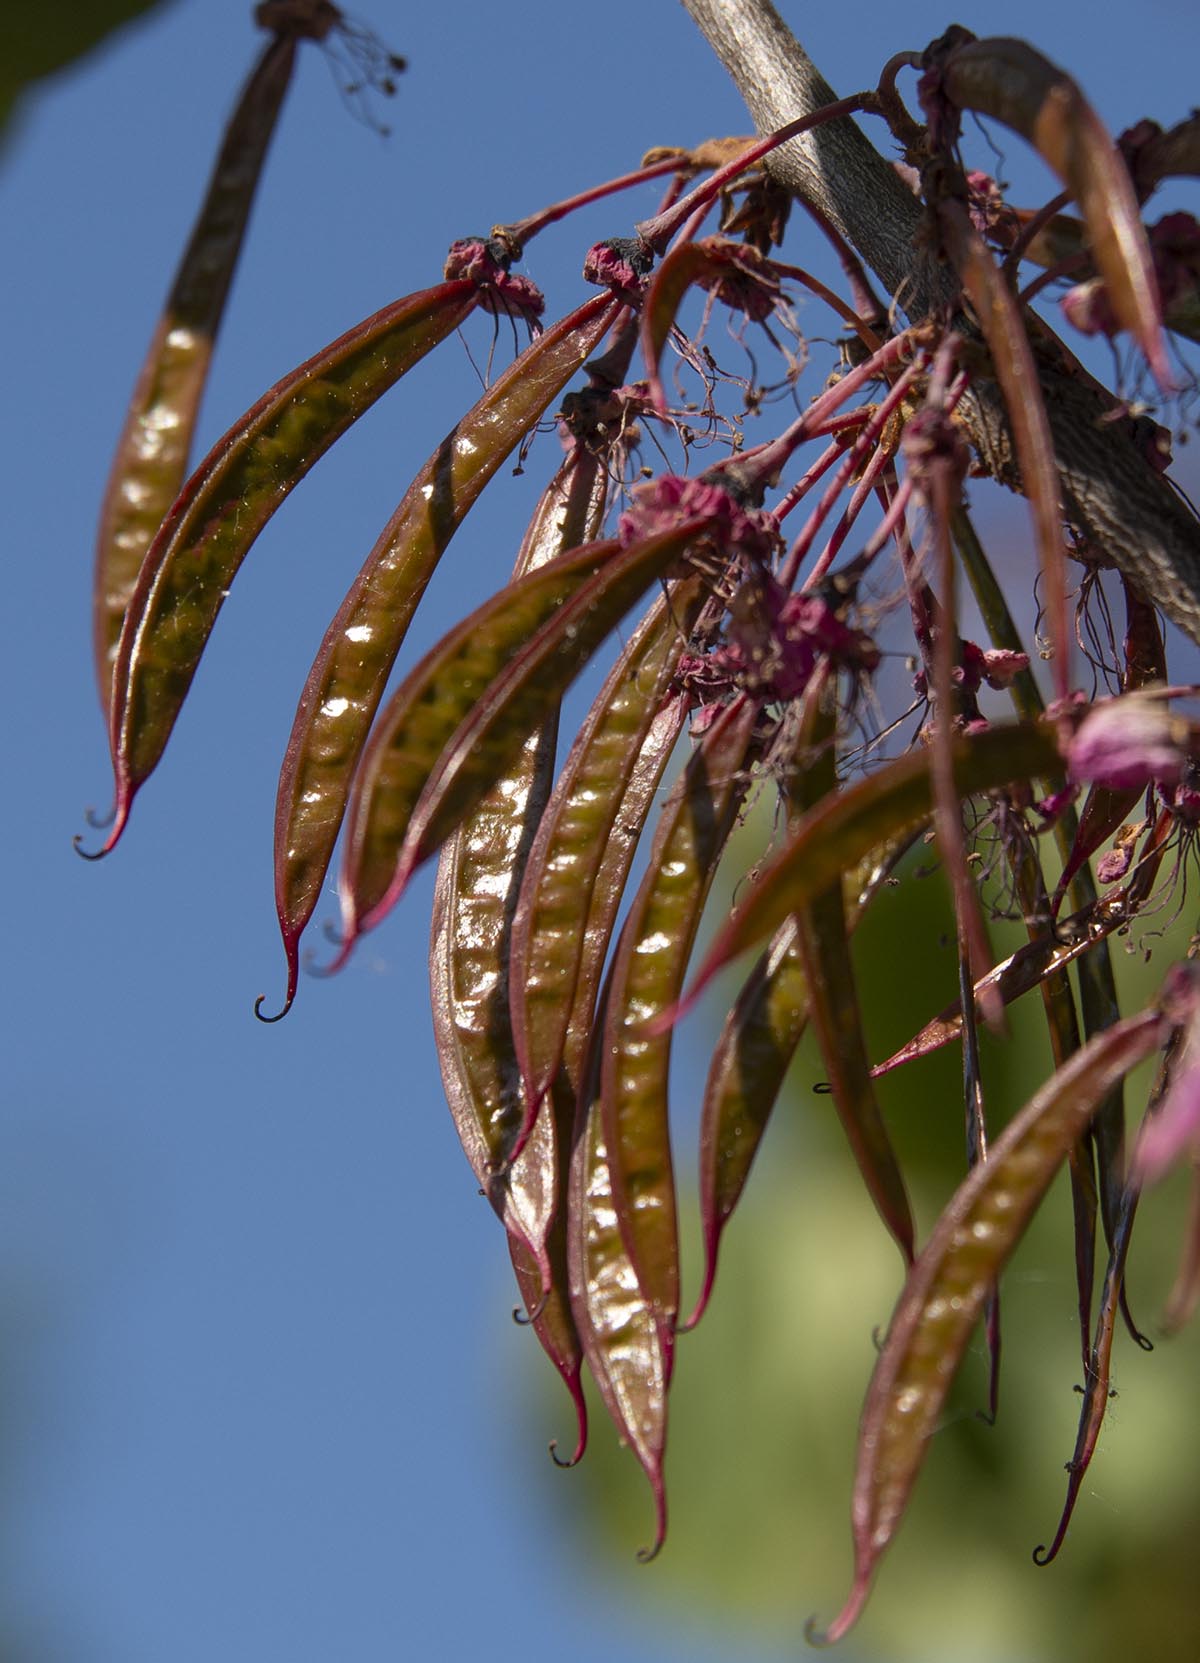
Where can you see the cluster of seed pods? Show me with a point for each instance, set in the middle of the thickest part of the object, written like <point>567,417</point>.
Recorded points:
<point>556,979</point>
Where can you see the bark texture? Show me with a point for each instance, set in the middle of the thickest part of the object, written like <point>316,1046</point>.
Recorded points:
<point>1128,513</point>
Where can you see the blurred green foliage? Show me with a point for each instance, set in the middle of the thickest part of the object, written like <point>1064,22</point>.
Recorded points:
<point>36,40</point>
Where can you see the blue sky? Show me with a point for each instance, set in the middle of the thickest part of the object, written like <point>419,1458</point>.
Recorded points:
<point>260,1396</point>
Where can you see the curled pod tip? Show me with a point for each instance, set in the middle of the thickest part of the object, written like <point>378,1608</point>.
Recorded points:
<point>647,1555</point>
<point>87,854</point>
<point>574,1386</point>
<point>293,976</point>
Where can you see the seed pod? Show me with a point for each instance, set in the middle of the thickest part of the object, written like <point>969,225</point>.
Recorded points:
<point>199,548</point>
<point>588,821</point>
<point>950,1282</point>
<point>844,829</point>
<point>1011,82</point>
<point>347,680</point>
<point>478,876</point>
<point>628,1351</point>
<point>152,453</point>
<point>453,727</point>
<point>647,974</point>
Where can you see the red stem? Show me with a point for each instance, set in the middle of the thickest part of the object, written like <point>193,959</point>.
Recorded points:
<point>524,229</point>
<point>659,230</point>
<point>868,437</point>
<point>841,531</point>
<point>806,482</point>
<point>765,462</point>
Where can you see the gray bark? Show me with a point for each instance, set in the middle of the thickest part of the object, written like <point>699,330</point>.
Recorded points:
<point>1129,514</point>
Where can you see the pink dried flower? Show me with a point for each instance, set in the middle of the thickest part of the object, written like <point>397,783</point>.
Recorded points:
<point>777,639</point>
<point>665,502</point>
<point>1183,798</point>
<point>1174,1132</point>
<point>1049,808</point>
<point>741,279</point>
<point>1086,307</point>
<point>1113,866</point>
<point>975,666</point>
<point>517,296</point>
<point>621,264</point>
<point>1001,668</point>
<point>1128,742</point>
<point>485,260</point>
<point>990,214</point>
<point>482,259</point>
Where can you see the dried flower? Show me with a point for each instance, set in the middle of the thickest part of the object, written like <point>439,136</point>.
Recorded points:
<point>1129,742</point>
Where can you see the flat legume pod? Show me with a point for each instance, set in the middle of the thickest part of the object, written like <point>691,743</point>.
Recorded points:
<point>199,548</point>
<point>349,675</point>
<point>843,830</point>
<point>587,823</point>
<point>152,453</point>
<point>647,974</point>
<point>950,1282</point>
<point>505,672</point>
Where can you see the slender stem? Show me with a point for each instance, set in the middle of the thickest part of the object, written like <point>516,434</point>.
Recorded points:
<point>895,111</point>
<point>529,227</point>
<point>758,466</point>
<point>867,439</point>
<point>1030,230</point>
<point>852,319</point>
<point>805,483</point>
<point>659,230</point>
<point>862,490</point>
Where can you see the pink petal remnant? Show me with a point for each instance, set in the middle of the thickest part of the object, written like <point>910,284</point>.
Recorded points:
<point>1087,308</point>
<point>1175,1130</point>
<point>485,260</point>
<point>776,640</point>
<point>1128,742</point>
<point>663,503</point>
<point>621,264</point>
<point>1001,668</point>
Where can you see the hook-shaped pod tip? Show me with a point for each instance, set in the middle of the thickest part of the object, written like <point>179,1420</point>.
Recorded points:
<point>291,948</point>
<point>115,819</point>
<point>646,1556</point>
